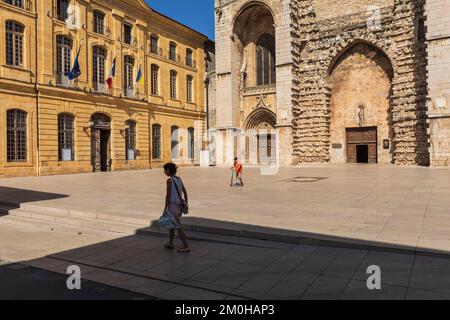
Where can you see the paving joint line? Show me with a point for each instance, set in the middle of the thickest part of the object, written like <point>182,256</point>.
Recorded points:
<point>152,278</point>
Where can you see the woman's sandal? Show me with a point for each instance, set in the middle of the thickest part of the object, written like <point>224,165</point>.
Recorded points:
<point>184,250</point>
<point>169,246</point>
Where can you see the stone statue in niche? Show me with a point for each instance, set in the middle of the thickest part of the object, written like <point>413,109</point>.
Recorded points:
<point>361,115</point>
<point>244,70</point>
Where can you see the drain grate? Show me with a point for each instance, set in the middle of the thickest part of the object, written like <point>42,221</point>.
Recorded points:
<point>307,179</point>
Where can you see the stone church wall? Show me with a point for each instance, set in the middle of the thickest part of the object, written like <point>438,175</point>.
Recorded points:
<point>316,45</point>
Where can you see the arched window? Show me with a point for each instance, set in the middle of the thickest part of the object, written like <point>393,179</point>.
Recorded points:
<point>14,43</point>
<point>155,80</point>
<point>189,61</point>
<point>156,141</point>
<point>175,142</point>
<point>130,140</point>
<point>265,60</point>
<point>191,143</point>
<point>154,46</point>
<point>128,74</point>
<point>189,88</point>
<point>173,84</point>
<point>61,9</point>
<point>63,59</point>
<point>66,137</point>
<point>17,3</point>
<point>173,51</point>
<point>99,22</point>
<point>16,135</point>
<point>98,68</point>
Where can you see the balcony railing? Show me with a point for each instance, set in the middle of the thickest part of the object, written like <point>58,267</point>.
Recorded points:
<point>129,93</point>
<point>62,79</point>
<point>176,58</point>
<point>100,87</point>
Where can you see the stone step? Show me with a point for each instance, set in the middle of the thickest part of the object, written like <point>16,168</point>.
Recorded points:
<point>83,222</point>
<point>242,231</point>
<point>84,214</point>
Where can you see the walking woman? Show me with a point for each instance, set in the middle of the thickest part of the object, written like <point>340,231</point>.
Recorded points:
<point>175,203</point>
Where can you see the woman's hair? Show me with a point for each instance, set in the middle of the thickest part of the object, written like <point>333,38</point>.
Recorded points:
<point>171,168</point>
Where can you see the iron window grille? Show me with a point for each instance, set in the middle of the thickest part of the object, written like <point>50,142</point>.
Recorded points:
<point>189,88</point>
<point>99,22</point>
<point>154,48</point>
<point>155,80</point>
<point>63,58</point>
<point>130,140</point>
<point>173,51</point>
<point>16,3</point>
<point>156,141</point>
<point>98,76</point>
<point>66,137</point>
<point>128,74</point>
<point>16,135</point>
<point>14,43</point>
<point>189,61</point>
<point>127,37</point>
<point>173,84</point>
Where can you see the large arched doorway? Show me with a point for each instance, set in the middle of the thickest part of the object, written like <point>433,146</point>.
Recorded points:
<point>101,142</point>
<point>260,138</point>
<point>360,103</point>
<point>254,28</point>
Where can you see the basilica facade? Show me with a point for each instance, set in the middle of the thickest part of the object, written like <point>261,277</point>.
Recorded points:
<point>327,81</point>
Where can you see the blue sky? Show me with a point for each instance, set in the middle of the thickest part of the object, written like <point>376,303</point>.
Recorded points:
<point>196,14</point>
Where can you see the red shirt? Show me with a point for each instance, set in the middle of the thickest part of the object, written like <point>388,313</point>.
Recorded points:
<point>237,167</point>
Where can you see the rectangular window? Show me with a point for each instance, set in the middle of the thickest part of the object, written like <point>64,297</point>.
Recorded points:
<point>99,69</point>
<point>63,63</point>
<point>154,48</point>
<point>127,38</point>
<point>173,84</point>
<point>155,80</point>
<point>62,6</point>
<point>189,88</point>
<point>128,76</point>
<point>16,135</point>
<point>175,143</point>
<point>191,142</point>
<point>17,3</point>
<point>99,22</point>
<point>156,141</point>
<point>189,61</point>
<point>130,140</point>
<point>14,44</point>
<point>173,51</point>
<point>66,137</point>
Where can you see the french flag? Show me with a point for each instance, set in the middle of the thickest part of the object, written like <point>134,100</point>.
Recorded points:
<point>112,74</point>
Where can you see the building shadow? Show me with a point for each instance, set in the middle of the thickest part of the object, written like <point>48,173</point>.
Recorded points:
<point>12,198</point>
<point>227,256</point>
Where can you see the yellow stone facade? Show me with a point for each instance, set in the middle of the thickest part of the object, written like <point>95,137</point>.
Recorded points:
<point>35,88</point>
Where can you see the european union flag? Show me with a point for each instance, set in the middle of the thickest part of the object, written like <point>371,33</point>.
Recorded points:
<point>76,71</point>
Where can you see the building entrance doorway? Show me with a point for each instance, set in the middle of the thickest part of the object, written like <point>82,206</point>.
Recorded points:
<point>362,145</point>
<point>101,143</point>
<point>266,148</point>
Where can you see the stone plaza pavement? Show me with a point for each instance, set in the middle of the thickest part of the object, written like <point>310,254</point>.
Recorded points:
<point>407,207</point>
<point>219,267</point>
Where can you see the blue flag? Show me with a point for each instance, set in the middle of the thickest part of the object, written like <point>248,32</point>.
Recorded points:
<point>76,71</point>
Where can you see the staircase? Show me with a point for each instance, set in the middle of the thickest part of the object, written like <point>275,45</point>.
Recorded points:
<point>80,219</point>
